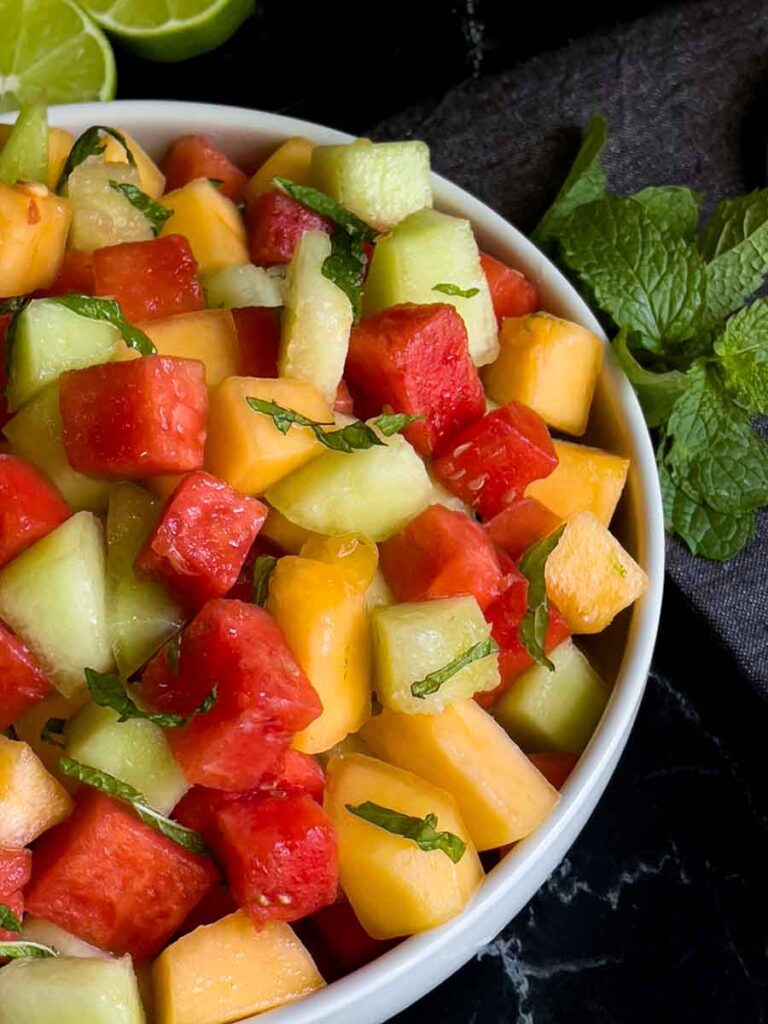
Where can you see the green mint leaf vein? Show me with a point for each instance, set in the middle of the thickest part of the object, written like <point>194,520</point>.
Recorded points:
<point>25,951</point>
<point>8,920</point>
<point>675,209</point>
<point>327,207</point>
<point>109,310</point>
<point>354,437</point>
<point>118,790</point>
<point>715,535</point>
<point>345,267</point>
<point>109,692</point>
<point>453,289</point>
<point>90,144</point>
<point>422,831</point>
<point>432,682</point>
<point>389,423</point>
<point>742,348</point>
<point>657,392</point>
<point>735,245</point>
<point>156,214</point>
<point>263,568</point>
<point>535,622</point>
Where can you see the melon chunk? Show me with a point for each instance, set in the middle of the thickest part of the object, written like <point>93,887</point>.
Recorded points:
<point>584,478</point>
<point>501,795</point>
<point>70,989</point>
<point>210,222</point>
<point>31,800</point>
<point>554,711</point>
<point>33,233</point>
<point>151,177</point>
<point>292,160</point>
<point>590,577</point>
<point>429,248</point>
<point>29,726</point>
<point>47,934</point>
<point>230,969</point>
<point>375,491</point>
<point>382,182</point>
<point>394,886</point>
<point>244,285</point>
<point>54,596</point>
<point>102,215</point>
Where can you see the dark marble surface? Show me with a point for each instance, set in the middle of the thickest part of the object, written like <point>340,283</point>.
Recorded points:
<point>658,914</point>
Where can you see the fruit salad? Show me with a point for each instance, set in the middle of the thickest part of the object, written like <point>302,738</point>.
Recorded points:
<point>299,537</point>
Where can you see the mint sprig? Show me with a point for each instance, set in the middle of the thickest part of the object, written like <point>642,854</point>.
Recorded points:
<point>432,682</point>
<point>8,920</point>
<point>25,951</point>
<point>109,310</point>
<point>156,214</point>
<point>453,289</point>
<point>90,144</point>
<point>422,831</point>
<point>535,623</point>
<point>109,692</point>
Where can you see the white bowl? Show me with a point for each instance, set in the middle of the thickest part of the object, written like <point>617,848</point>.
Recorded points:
<point>401,976</point>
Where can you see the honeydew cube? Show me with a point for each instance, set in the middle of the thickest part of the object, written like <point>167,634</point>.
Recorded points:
<point>396,888</point>
<point>54,596</point>
<point>554,710</point>
<point>284,533</point>
<point>426,249</point>
<point>244,285</point>
<point>101,214</point>
<point>584,479</point>
<point>31,800</point>
<point>316,321</point>
<point>210,222</point>
<point>590,577</point>
<point>151,177</point>
<point>231,969</point>
<point>62,989</point>
<point>244,448</point>
<point>206,334</point>
<point>550,365</point>
<point>501,795</point>
<point>33,234</point>
<point>375,491</point>
<point>34,433</point>
<point>47,934</point>
<point>382,182</point>
<point>49,339</point>
<point>378,593</point>
<point>292,160</point>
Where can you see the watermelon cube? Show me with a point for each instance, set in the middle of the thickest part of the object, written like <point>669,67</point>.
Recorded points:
<point>15,903</point>
<point>15,869</point>
<point>195,156</point>
<point>518,526</point>
<point>338,942</point>
<point>512,294</point>
<point>441,553</point>
<point>275,224</point>
<point>75,275</point>
<point>30,507</point>
<point>149,279</point>
<point>415,360</point>
<point>264,698</point>
<point>490,463</point>
<point>258,335</point>
<point>135,419</point>
<point>115,882</point>
<point>202,539</point>
<point>22,680</point>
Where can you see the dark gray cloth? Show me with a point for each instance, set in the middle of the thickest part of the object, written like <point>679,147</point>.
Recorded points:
<point>685,92</point>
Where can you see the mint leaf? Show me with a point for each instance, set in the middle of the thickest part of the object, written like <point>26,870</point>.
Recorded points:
<point>453,289</point>
<point>735,245</point>
<point>422,831</point>
<point>118,790</point>
<point>263,568</point>
<point>53,731</point>
<point>345,267</point>
<point>433,682</point>
<point>109,310</point>
<point>585,182</point>
<point>354,437</point>
<point>657,392</point>
<point>675,209</point>
<point>109,692</point>
<point>652,284</point>
<point>156,214</point>
<point>25,951</point>
<point>8,920</point>
<point>715,535</point>
<point>327,207</point>
<point>90,144</point>
<point>390,423</point>
<point>743,351</point>
<point>535,622</point>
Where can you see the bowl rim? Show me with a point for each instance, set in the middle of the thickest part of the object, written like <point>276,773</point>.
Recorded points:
<point>399,977</point>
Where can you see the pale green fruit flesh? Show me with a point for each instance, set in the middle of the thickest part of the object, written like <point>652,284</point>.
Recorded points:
<point>244,285</point>
<point>382,182</point>
<point>34,433</point>
<point>316,320</point>
<point>101,215</point>
<point>413,640</point>
<point>70,990</point>
<point>554,711</point>
<point>141,615</point>
<point>54,596</point>
<point>375,491</point>
<point>48,934</point>
<point>429,248</point>
<point>135,752</point>
<point>49,339</point>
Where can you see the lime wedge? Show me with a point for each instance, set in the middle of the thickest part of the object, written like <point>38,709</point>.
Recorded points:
<point>52,45</point>
<point>170,30</point>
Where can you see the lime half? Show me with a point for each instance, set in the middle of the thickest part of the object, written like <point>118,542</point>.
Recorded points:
<point>52,45</point>
<point>170,30</point>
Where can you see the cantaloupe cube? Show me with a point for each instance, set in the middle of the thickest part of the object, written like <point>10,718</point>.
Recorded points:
<point>29,726</point>
<point>228,970</point>
<point>151,177</point>
<point>33,232</point>
<point>584,478</point>
<point>501,795</point>
<point>292,160</point>
<point>210,222</point>
<point>287,535</point>
<point>320,608</point>
<point>354,551</point>
<point>206,334</point>
<point>59,145</point>
<point>590,576</point>
<point>550,365</point>
<point>31,800</point>
<point>394,886</point>
<point>244,447</point>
